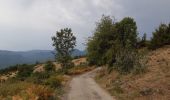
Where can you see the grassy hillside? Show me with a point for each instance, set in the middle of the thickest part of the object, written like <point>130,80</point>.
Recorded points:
<point>154,84</point>
<point>38,82</point>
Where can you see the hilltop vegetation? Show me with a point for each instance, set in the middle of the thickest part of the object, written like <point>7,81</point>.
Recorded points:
<point>115,44</point>
<point>29,82</point>
<point>131,69</point>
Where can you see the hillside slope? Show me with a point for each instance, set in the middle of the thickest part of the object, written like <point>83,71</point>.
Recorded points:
<point>152,85</point>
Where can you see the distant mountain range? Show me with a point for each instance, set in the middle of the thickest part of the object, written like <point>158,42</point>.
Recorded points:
<point>9,58</point>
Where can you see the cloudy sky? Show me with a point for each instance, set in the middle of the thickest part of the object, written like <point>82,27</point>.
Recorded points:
<point>29,24</point>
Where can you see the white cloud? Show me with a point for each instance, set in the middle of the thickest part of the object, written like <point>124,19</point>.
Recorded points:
<point>29,24</point>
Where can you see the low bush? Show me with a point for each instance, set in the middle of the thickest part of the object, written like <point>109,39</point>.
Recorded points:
<point>67,67</point>
<point>129,60</point>
<point>9,69</point>
<point>54,81</point>
<point>25,71</point>
<point>39,77</point>
<point>49,66</point>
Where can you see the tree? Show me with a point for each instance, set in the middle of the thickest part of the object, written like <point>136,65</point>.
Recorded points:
<point>98,45</point>
<point>114,44</point>
<point>64,43</point>
<point>127,56</point>
<point>126,31</point>
<point>161,36</point>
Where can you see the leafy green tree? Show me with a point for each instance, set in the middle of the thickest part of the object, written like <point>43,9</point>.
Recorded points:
<point>127,57</point>
<point>161,36</point>
<point>64,43</point>
<point>98,45</point>
<point>111,43</point>
<point>126,31</point>
<point>124,39</point>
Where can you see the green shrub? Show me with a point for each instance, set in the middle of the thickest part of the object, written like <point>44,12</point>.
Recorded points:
<point>161,37</point>
<point>65,70</point>
<point>39,77</point>
<point>98,45</point>
<point>54,81</point>
<point>9,69</point>
<point>25,71</point>
<point>49,66</point>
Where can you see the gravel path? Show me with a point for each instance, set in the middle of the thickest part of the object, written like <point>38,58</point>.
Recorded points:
<point>84,87</point>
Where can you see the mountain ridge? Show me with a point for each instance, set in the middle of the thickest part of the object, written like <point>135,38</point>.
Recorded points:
<point>9,58</point>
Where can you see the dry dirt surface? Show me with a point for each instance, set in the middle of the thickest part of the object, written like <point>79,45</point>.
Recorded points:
<point>84,87</point>
<point>79,61</point>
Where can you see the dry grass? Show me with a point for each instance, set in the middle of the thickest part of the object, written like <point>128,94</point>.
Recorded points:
<point>40,67</point>
<point>79,70</point>
<point>7,76</point>
<point>80,67</point>
<point>152,85</point>
<point>30,90</point>
<point>79,61</point>
<point>25,91</point>
<point>38,92</point>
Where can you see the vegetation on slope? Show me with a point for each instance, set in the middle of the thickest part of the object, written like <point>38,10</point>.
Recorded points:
<point>131,69</point>
<point>115,44</point>
<point>43,81</point>
<point>46,84</point>
<point>151,85</point>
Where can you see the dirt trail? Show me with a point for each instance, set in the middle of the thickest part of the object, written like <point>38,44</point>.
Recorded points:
<point>84,87</point>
